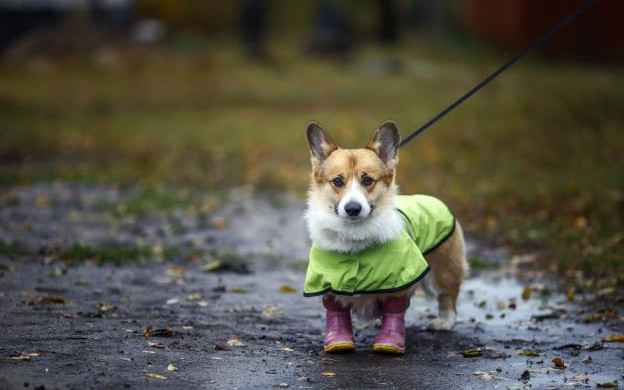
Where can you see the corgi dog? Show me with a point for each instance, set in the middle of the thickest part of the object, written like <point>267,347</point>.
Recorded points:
<point>367,256</point>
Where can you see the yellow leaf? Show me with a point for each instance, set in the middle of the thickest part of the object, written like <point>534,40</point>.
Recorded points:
<point>526,292</point>
<point>286,349</point>
<point>328,373</point>
<point>171,367</point>
<point>214,265</point>
<point>194,297</point>
<point>614,338</point>
<point>286,289</point>
<point>156,376</point>
<point>609,385</point>
<point>475,352</point>
<point>570,294</point>
<point>527,352</point>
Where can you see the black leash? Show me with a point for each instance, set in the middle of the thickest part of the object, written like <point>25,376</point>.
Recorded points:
<point>500,70</point>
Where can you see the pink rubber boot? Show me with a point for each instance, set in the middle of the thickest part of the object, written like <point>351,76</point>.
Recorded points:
<point>339,333</point>
<point>391,338</point>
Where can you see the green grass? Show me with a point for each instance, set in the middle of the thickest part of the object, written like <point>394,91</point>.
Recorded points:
<point>533,161</point>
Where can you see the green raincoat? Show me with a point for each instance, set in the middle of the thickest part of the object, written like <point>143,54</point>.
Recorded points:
<point>388,267</point>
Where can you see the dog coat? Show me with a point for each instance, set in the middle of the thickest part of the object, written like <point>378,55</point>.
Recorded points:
<point>388,267</point>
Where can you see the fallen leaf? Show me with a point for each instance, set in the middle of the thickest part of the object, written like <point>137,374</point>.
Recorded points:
<point>171,367</point>
<point>172,301</point>
<point>24,356</point>
<point>54,300</point>
<point>600,316</point>
<point>475,352</point>
<point>212,266</point>
<point>489,316</point>
<point>328,373</point>
<point>286,349</point>
<point>237,290</point>
<point>194,297</point>
<point>156,376</point>
<point>69,315</point>
<point>608,385</point>
<point>481,303</point>
<point>158,332</point>
<point>580,222</point>
<point>527,352</point>
<point>155,345</point>
<point>42,202</point>
<point>282,384</point>
<point>593,347</point>
<point>580,378</point>
<point>486,376</point>
<point>219,223</point>
<point>526,293</point>
<point>104,308</point>
<point>271,311</point>
<point>286,289</point>
<point>559,364</point>
<point>235,342</point>
<point>526,375</point>
<point>614,338</point>
<point>176,271</point>
<point>570,294</point>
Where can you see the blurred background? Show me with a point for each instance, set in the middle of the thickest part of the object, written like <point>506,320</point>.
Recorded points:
<point>191,97</point>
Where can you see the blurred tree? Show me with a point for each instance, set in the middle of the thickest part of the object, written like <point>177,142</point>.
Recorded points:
<point>206,16</point>
<point>253,26</point>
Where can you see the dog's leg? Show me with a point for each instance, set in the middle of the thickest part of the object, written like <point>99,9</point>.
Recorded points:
<point>447,312</point>
<point>448,267</point>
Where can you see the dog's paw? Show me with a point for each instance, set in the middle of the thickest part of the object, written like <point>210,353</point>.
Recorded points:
<point>445,321</point>
<point>440,324</point>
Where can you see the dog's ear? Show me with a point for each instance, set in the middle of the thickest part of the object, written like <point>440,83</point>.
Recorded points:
<point>321,145</point>
<point>385,143</point>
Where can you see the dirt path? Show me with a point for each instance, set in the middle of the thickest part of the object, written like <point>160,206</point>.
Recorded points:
<point>245,329</point>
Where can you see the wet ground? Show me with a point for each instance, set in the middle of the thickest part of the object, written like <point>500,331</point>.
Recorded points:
<point>224,309</point>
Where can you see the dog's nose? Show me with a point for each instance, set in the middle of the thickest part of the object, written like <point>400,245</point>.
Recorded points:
<point>353,209</point>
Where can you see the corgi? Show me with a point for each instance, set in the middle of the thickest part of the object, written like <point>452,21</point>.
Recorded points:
<point>372,247</point>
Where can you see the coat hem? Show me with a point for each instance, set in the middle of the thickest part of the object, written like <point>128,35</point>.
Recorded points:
<point>382,291</point>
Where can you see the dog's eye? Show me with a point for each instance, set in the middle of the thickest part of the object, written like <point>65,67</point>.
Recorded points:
<point>367,181</point>
<point>338,182</point>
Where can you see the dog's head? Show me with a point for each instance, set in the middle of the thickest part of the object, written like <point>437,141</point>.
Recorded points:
<point>354,183</point>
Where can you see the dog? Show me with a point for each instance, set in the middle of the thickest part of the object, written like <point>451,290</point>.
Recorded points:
<point>366,258</point>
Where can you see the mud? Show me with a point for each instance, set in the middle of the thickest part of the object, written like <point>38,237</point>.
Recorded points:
<point>243,331</point>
